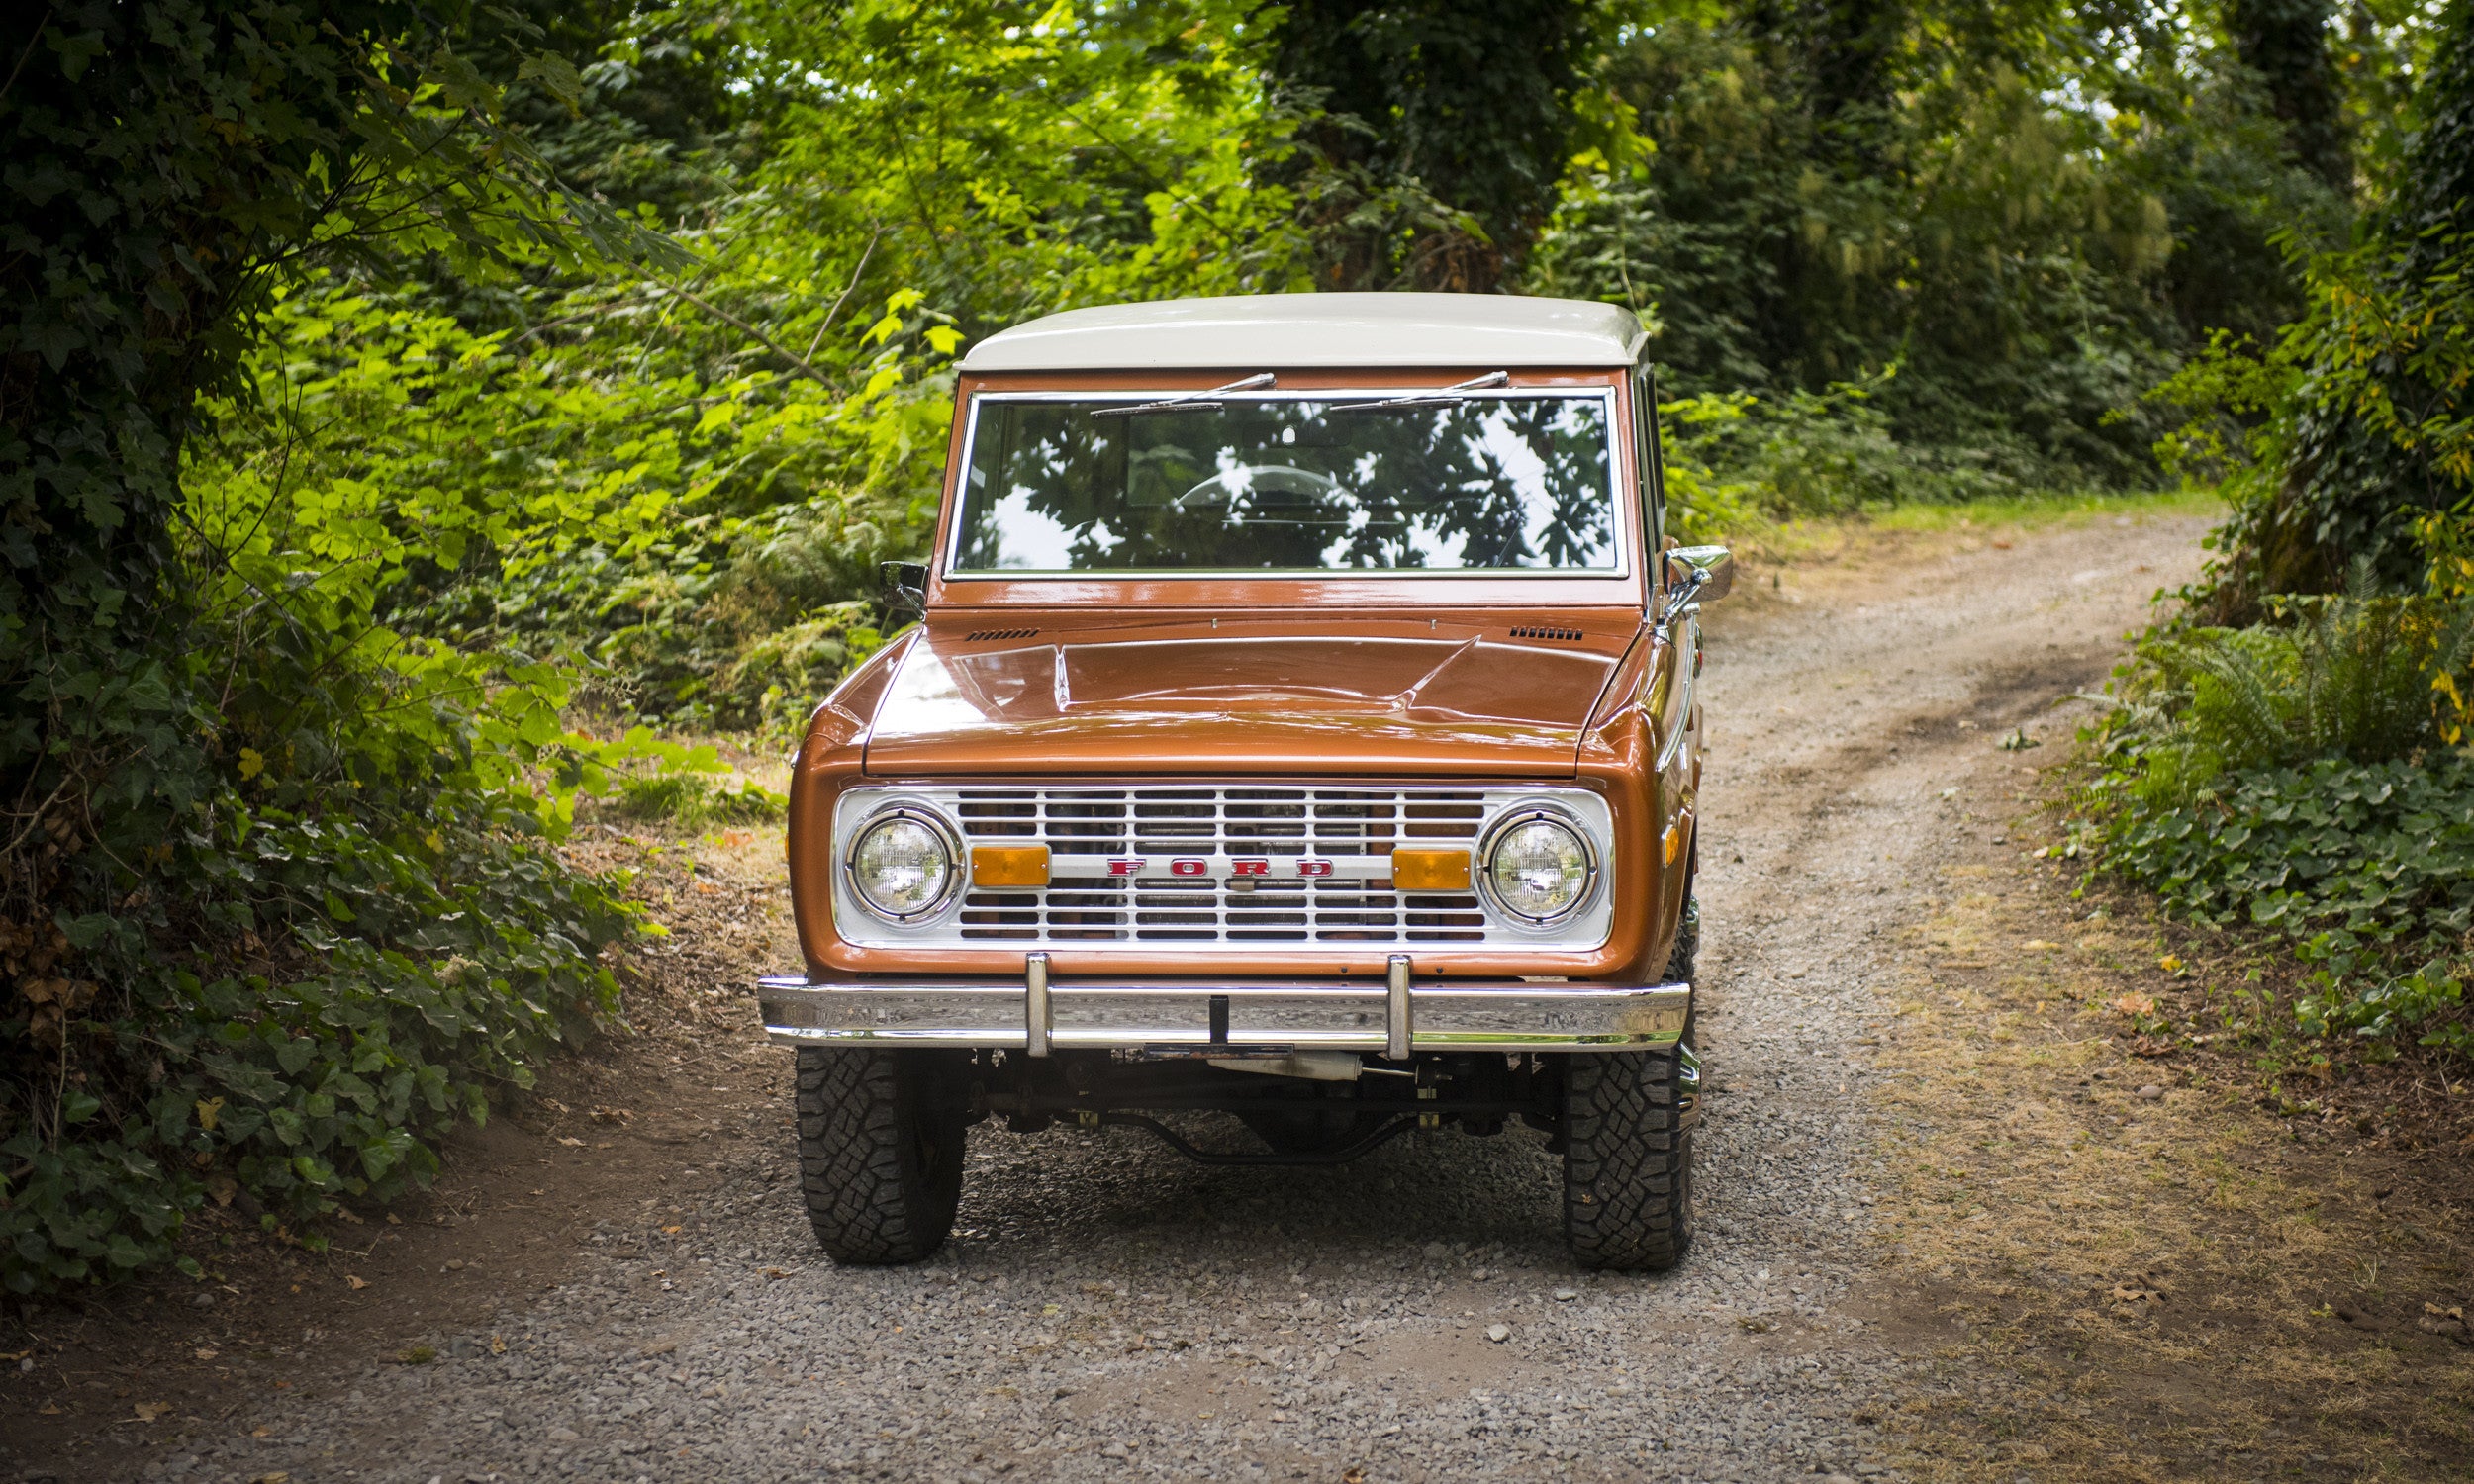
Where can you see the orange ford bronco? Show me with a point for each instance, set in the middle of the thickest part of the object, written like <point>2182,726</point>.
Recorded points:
<point>1299,726</point>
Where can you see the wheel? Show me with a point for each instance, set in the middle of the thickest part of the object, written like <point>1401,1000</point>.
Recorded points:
<point>880,1150</point>
<point>1627,1160</point>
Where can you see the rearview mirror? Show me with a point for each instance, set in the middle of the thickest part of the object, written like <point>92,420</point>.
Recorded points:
<point>905,585</point>
<point>1705,573</point>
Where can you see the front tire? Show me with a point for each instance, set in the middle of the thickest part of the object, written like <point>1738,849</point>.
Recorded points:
<point>880,1150</point>
<point>1627,1160</point>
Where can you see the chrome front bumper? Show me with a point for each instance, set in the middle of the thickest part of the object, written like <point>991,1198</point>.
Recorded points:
<point>1394,1018</point>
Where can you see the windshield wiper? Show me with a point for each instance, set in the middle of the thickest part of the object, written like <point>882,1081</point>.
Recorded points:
<point>1441,397</point>
<point>1201,399</point>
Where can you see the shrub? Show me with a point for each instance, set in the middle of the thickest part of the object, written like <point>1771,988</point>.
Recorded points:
<point>2367,867</point>
<point>2357,677</point>
<point>2295,780</point>
<point>303,1001</point>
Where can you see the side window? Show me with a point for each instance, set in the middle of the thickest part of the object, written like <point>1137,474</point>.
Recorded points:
<point>1652,458</point>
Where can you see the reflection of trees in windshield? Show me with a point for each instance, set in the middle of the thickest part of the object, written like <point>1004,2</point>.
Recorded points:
<point>1514,481</point>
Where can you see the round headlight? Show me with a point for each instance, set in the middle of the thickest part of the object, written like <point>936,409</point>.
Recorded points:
<point>1538,868</point>
<point>902,865</point>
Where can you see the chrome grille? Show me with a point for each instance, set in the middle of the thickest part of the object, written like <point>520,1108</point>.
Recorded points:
<point>1348,831</point>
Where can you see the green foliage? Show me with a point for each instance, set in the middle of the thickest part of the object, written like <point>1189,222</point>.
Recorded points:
<point>2367,867</point>
<point>2294,778</point>
<point>1788,224</point>
<point>278,903</point>
<point>2349,678</point>
<point>1440,135</point>
<point>1808,454</point>
<point>2350,439</point>
<point>353,987</point>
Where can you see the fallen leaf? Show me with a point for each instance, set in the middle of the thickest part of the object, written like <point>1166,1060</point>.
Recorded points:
<point>149,1411</point>
<point>2134,1003</point>
<point>277,1477</point>
<point>206,1353</point>
<point>2448,1322</point>
<point>393,1220</point>
<point>347,1213</point>
<point>2169,964</point>
<point>355,1284</point>
<point>48,1408</point>
<point>670,1231</point>
<point>416,1354</point>
<point>775,1274</point>
<point>2038,945</point>
<point>2132,1293</point>
<point>571,1142</point>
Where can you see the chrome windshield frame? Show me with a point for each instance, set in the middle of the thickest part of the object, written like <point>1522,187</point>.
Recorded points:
<point>949,559</point>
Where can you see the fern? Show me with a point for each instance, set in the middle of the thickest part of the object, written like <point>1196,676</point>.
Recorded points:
<point>2356,677</point>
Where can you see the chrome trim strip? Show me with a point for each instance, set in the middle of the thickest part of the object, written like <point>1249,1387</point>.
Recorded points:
<point>1400,1010</point>
<point>1307,1015</point>
<point>951,570</point>
<point>1038,1015</point>
<point>1672,745</point>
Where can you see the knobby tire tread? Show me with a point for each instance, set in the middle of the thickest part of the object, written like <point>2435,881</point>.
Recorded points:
<point>1627,1161</point>
<point>875,1196</point>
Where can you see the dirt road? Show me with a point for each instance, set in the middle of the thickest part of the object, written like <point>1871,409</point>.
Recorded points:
<point>637,1297</point>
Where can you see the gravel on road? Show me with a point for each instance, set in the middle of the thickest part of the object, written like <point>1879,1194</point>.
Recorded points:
<point>1108,1310</point>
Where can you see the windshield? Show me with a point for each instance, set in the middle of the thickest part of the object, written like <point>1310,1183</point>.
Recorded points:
<point>1478,483</point>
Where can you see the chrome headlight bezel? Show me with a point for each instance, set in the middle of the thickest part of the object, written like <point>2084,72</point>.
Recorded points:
<point>1529,812</point>
<point>948,839</point>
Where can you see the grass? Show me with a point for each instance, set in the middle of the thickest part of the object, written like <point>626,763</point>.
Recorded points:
<point>2036,512</point>
<point>1827,538</point>
<point>693,800</point>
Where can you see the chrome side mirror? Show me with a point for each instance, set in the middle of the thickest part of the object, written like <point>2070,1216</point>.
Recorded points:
<point>1708,570</point>
<point>1694,576</point>
<point>905,585</point>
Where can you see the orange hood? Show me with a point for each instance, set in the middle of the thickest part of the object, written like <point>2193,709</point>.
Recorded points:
<point>1311,696</point>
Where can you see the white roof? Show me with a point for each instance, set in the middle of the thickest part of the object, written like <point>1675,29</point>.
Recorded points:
<point>1276,331</point>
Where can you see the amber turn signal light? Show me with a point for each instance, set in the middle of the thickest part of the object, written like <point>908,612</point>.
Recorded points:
<point>1430,870</point>
<point>1009,865</point>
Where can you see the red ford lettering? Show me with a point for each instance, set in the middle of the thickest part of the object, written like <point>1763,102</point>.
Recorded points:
<point>1188,866</point>
<point>1314,867</point>
<point>1248,868</point>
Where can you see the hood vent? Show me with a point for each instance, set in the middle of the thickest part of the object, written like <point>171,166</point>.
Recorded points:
<point>1568,635</point>
<point>1007,633</point>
